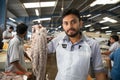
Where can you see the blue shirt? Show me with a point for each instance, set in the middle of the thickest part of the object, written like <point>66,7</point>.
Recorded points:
<point>96,54</point>
<point>115,72</point>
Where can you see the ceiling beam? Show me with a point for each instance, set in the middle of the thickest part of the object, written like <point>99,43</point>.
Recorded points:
<point>23,7</point>
<point>51,21</point>
<point>10,14</point>
<point>66,8</point>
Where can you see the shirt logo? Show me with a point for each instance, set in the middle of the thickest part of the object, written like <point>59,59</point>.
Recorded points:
<point>64,45</point>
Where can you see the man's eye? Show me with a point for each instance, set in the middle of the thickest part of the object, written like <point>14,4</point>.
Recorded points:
<point>65,23</point>
<point>73,22</point>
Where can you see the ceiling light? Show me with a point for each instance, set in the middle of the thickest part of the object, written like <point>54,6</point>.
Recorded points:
<point>102,21</point>
<point>42,19</point>
<point>114,8</point>
<point>104,2</point>
<point>110,20</point>
<point>60,27</point>
<point>12,19</point>
<point>118,32</point>
<point>94,16</point>
<point>56,29</point>
<point>105,27</point>
<point>37,12</point>
<point>88,25</point>
<point>88,15</point>
<point>39,4</point>
<point>108,31</point>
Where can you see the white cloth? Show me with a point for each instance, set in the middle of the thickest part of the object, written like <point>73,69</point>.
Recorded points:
<point>6,34</point>
<point>73,65</point>
<point>114,46</point>
<point>15,52</point>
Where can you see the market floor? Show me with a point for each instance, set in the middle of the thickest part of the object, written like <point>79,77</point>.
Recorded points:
<point>51,65</point>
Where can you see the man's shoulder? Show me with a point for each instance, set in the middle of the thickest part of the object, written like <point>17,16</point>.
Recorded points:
<point>91,40</point>
<point>15,40</point>
<point>4,32</point>
<point>57,39</point>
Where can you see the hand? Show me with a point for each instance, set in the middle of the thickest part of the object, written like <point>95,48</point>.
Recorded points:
<point>102,53</point>
<point>28,74</point>
<point>11,37</point>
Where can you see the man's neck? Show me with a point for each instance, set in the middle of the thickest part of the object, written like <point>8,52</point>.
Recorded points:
<point>75,39</point>
<point>21,36</point>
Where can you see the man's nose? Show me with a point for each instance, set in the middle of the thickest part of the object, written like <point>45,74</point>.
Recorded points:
<point>70,25</point>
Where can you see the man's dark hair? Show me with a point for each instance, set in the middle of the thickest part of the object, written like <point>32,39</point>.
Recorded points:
<point>71,11</point>
<point>11,27</point>
<point>21,28</point>
<point>115,37</point>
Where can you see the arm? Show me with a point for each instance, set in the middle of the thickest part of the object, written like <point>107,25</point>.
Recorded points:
<point>97,63</point>
<point>107,52</point>
<point>109,64</point>
<point>21,69</point>
<point>5,35</point>
<point>52,45</point>
<point>112,48</point>
<point>100,76</point>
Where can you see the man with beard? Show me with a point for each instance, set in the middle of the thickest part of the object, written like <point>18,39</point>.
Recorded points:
<point>75,52</point>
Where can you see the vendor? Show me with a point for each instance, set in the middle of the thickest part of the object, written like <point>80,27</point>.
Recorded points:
<point>114,44</point>
<point>7,35</point>
<point>15,55</point>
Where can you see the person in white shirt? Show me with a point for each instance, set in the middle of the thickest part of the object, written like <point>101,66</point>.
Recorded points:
<point>15,61</point>
<point>114,44</point>
<point>7,36</point>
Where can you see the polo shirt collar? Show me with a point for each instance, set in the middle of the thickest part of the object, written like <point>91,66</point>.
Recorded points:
<point>21,39</point>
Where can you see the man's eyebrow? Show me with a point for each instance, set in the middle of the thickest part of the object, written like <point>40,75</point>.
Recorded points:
<point>70,20</point>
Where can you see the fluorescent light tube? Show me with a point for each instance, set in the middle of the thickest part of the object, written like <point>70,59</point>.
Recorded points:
<point>104,2</point>
<point>42,19</point>
<point>110,20</point>
<point>88,25</point>
<point>39,4</point>
<point>103,21</point>
<point>118,32</point>
<point>114,8</point>
<point>108,31</point>
<point>12,19</point>
<point>37,12</point>
<point>105,27</point>
<point>94,16</point>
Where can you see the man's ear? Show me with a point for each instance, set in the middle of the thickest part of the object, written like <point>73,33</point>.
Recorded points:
<point>81,23</point>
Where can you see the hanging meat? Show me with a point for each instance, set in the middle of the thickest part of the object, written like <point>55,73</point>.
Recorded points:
<point>39,52</point>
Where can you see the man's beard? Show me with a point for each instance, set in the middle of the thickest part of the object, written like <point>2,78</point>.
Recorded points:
<point>72,35</point>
